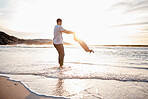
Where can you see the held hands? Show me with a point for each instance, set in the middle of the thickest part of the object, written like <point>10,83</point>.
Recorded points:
<point>72,32</point>
<point>75,38</point>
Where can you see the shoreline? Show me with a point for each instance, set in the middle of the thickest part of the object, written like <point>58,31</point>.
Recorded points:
<point>76,45</point>
<point>120,45</point>
<point>11,89</point>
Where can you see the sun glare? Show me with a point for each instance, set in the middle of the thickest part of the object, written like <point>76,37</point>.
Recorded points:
<point>92,23</point>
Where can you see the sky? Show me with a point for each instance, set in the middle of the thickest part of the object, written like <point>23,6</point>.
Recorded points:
<point>97,22</point>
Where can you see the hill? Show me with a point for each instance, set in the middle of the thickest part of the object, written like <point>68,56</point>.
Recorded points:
<point>6,39</point>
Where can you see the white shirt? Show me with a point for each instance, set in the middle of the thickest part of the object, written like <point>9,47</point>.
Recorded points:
<point>58,39</point>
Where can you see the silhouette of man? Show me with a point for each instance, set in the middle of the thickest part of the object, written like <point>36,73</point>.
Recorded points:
<point>58,40</point>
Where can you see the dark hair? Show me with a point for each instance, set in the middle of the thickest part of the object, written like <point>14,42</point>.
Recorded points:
<point>59,20</point>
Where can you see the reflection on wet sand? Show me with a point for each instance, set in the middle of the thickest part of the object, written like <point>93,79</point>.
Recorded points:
<point>59,88</point>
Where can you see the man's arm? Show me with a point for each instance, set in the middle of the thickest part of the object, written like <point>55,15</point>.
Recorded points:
<point>68,32</point>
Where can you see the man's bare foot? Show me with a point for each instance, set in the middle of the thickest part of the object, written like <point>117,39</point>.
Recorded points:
<point>61,66</point>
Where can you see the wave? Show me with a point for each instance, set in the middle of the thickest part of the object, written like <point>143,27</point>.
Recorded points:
<point>109,76</point>
<point>106,65</point>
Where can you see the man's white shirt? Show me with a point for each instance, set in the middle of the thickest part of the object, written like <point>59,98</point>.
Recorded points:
<point>58,39</point>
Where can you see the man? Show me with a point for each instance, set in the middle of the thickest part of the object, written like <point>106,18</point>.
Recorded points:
<point>58,40</point>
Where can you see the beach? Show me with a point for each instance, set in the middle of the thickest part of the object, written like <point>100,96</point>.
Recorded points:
<point>104,46</point>
<point>14,90</point>
<point>10,89</point>
<point>31,72</point>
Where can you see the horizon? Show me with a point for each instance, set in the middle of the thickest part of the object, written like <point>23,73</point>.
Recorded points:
<point>96,22</point>
<point>69,44</point>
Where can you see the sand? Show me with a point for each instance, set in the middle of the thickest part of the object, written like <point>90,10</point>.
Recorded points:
<point>16,90</point>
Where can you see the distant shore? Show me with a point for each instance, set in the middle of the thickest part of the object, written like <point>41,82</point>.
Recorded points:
<point>6,39</point>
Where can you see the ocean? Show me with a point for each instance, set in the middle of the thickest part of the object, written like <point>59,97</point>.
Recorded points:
<point>109,73</point>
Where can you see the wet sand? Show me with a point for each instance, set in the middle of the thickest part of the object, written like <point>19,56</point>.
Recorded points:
<point>16,90</point>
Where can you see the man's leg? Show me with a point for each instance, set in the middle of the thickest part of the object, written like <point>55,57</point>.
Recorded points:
<point>61,55</point>
<point>60,50</point>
